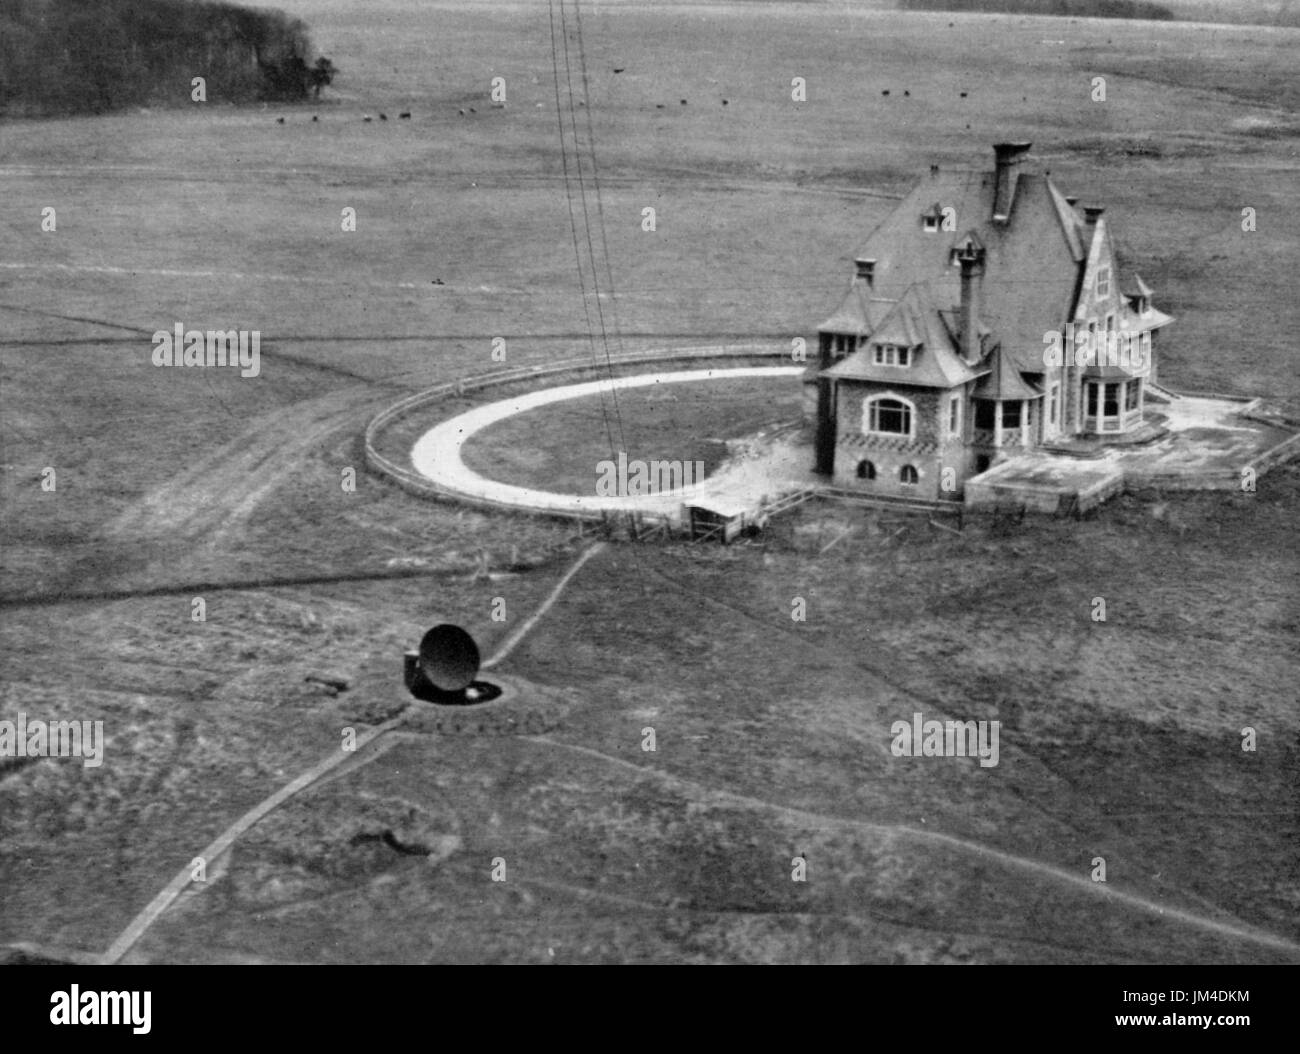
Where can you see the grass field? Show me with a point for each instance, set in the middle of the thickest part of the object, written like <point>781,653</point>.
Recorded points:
<point>1120,739</point>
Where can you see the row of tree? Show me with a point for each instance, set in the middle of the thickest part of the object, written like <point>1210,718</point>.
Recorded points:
<point>91,56</point>
<point>1076,8</point>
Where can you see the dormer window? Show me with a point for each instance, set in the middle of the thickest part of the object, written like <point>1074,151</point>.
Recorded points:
<point>892,355</point>
<point>1142,305</point>
<point>930,222</point>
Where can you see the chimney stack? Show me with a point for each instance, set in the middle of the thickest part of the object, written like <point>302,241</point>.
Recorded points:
<point>866,270</point>
<point>1092,213</point>
<point>972,266</point>
<point>1071,201</point>
<point>934,170</point>
<point>1007,158</point>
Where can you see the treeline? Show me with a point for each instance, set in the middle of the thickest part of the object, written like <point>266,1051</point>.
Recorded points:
<point>1075,8</point>
<point>91,56</point>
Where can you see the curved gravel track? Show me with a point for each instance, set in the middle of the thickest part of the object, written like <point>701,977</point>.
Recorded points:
<point>437,454</point>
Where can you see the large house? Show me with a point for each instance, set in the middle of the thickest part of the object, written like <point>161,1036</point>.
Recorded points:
<point>987,315</point>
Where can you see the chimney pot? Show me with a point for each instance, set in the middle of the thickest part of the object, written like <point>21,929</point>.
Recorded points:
<point>1092,213</point>
<point>1071,201</point>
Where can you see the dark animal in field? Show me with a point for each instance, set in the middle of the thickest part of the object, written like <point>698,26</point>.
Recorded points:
<point>383,117</point>
<point>406,116</point>
<point>279,120</point>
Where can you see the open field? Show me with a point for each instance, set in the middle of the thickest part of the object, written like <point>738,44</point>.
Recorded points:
<point>1119,739</point>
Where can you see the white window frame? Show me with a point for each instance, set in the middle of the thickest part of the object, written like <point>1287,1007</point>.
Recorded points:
<point>954,416</point>
<point>892,355</point>
<point>872,400</point>
<point>1103,282</point>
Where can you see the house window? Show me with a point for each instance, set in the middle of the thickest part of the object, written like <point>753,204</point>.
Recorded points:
<point>1092,400</point>
<point>1131,390</point>
<point>866,470</point>
<point>1110,405</point>
<point>984,414</point>
<point>908,475</point>
<point>930,222</point>
<point>888,416</point>
<point>843,343</point>
<point>893,355</point>
<point>1011,414</point>
<point>954,417</point>
<point>1103,282</point>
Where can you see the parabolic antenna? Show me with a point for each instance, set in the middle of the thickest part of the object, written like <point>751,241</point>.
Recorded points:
<point>449,658</point>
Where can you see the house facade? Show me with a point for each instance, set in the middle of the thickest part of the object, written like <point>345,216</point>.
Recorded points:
<point>987,315</point>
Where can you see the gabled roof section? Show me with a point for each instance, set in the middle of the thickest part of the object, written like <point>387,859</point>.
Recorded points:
<point>915,323</point>
<point>1004,380</point>
<point>859,312</point>
<point>1031,265</point>
<point>1072,224</point>
<point>952,320</point>
<point>1133,286</point>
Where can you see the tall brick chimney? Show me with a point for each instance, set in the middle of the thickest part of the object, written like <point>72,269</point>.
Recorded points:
<point>971,259</point>
<point>1007,158</point>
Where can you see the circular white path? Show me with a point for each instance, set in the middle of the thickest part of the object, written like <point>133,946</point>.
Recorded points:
<point>437,454</point>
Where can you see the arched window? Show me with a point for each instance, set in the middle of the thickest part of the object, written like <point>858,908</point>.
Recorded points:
<point>866,470</point>
<point>908,474</point>
<point>887,415</point>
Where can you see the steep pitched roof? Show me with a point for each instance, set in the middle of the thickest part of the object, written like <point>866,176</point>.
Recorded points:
<point>1031,265</point>
<point>1071,223</point>
<point>1003,381</point>
<point>1133,286</point>
<point>859,312</point>
<point>913,321</point>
